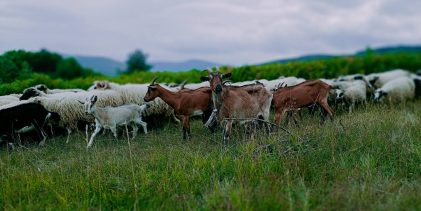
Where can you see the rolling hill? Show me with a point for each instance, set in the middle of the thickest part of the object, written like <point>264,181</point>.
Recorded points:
<point>110,67</point>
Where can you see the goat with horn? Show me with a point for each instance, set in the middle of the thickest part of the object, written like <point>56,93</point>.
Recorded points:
<point>248,102</point>
<point>185,103</point>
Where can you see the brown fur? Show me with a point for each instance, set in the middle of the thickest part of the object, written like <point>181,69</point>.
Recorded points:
<point>184,102</point>
<point>237,102</point>
<point>299,96</point>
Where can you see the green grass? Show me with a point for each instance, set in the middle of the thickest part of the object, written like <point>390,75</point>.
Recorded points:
<point>374,163</point>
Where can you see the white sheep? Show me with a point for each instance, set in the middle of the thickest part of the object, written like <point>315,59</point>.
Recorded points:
<point>357,93</point>
<point>46,90</point>
<point>397,90</point>
<point>377,80</point>
<point>288,81</point>
<point>7,99</point>
<point>351,77</point>
<point>134,94</point>
<point>111,117</point>
<point>197,85</point>
<point>70,106</point>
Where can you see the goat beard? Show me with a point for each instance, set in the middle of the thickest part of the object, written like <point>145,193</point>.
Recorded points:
<point>212,118</point>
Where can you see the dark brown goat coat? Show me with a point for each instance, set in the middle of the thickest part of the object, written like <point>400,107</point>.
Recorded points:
<point>301,95</point>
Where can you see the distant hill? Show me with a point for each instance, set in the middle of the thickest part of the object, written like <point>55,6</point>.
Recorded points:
<point>110,67</point>
<point>381,50</point>
<point>180,66</point>
<point>100,64</point>
<point>395,49</point>
<point>302,58</point>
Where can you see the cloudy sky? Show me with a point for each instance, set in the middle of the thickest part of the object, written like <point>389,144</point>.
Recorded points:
<point>226,31</point>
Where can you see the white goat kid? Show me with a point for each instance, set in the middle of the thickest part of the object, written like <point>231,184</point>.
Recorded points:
<point>111,117</point>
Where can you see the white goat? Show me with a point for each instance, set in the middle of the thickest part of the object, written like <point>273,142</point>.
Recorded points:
<point>397,90</point>
<point>134,94</point>
<point>111,117</point>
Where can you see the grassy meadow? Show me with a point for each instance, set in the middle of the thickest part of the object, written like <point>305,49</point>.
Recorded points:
<point>374,162</point>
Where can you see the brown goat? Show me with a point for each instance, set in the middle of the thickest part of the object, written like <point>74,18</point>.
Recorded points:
<point>301,95</point>
<point>251,101</point>
<point>185,103</point>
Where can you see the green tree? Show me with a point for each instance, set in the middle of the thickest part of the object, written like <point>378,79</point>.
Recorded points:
<point>69,68</point>
<point>8,70</point>
<point>137,62</point>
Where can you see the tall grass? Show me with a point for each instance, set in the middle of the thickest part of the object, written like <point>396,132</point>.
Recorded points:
<point>374,162</point>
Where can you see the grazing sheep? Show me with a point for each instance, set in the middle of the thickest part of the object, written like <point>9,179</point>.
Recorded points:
<point>111,117</point>
<point>70,109</point>
<point>357,93</point>
<point>24,117</point>
<point>377,80</point>
<point>273,85</point>
<point>397,90</point>
<point>134,94</point>
<point>46,90</point>
<point>7,99</point>
<point>42,90</point>
<point>197,85</point>
<point>352,77</point>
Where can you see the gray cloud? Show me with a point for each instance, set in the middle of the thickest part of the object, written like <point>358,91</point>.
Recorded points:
<point>232,32</point>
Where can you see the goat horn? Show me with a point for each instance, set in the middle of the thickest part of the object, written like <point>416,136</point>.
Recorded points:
<point>182,84</point>
<point>154,79</point>
<point>227,81</point>
<point>209,70</point>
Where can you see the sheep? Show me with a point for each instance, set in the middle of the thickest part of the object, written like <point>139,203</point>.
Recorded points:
<point>398,90</point>
<point>69,106</point>
<point>111,117</point>
<point>197,85</point>
<point>357,93</point>
<point>377,80</point>
<point>273,85</point>
<point>350,77</point>
<point>46,90</point>
<point>6,99</point>
<point>134,93</point>
<point>43,90</point>
<point>24,117</point>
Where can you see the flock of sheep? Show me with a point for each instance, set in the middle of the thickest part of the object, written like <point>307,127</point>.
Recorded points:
<point>109,105</point>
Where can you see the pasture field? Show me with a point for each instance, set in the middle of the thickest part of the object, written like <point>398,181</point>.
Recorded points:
<point>374,163</point>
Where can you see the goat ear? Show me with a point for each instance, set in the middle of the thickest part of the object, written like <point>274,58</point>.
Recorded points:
<point>226,75</point>
<point>384,93</point>
<point>204,78</point>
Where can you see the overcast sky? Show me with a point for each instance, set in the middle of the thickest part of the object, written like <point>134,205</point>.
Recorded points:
<point>226,31</point>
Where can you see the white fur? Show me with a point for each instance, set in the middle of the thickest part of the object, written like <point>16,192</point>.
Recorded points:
<point>357,93</point>
<point>7,99</point>
<point>398,90</point>
<point>387,76</point>
<point>111,117</point>
<point>288,81</point>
